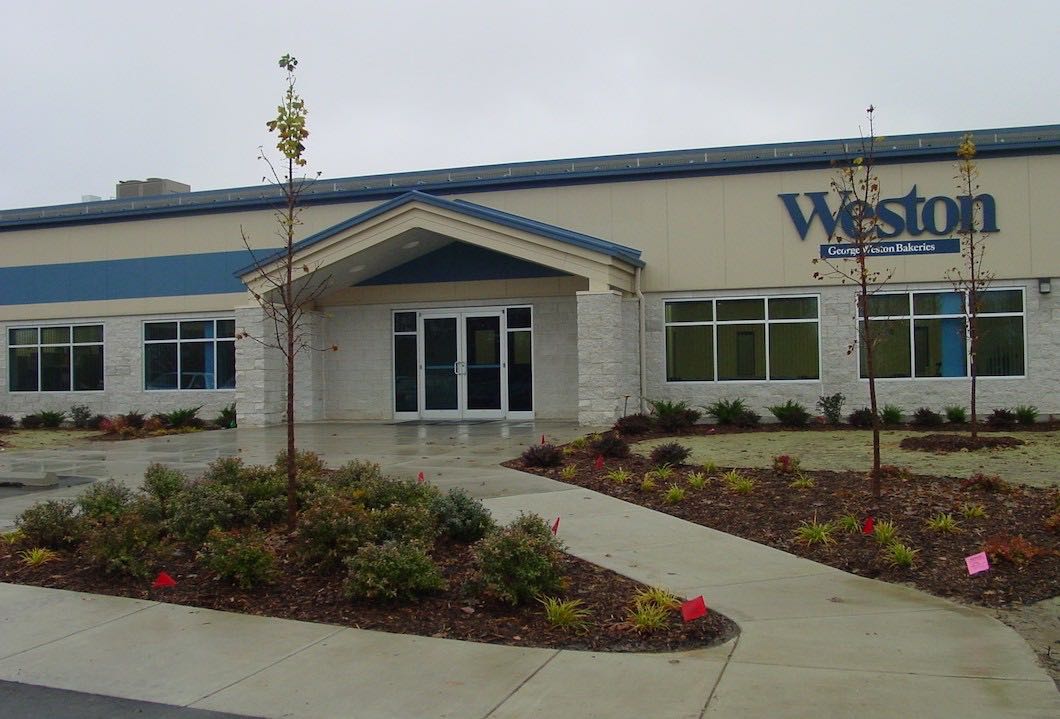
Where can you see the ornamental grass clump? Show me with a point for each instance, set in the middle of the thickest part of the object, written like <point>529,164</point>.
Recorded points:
<point>618,476</point>
<point>521,560</point>
<point>970,510</point>
<point>802,481</point>
<point>848,523</point>
<point>568,614</point>
<point>52,419</point>
<point>885,532</point>
<point>891,414</point>
<point>697,480</point>
<point>674,494</point>
<point>569,472</point>
<point>943,522</point>
<point>37,556</point>
<point>814,532</point>
<point>1026,415</point>
<point>651,609</point>
<point>900,555</point>
<point>739,483</point>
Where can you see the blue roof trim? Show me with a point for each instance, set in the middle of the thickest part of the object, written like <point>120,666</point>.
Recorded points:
<point>1036,139</point>
<point>627,254</point>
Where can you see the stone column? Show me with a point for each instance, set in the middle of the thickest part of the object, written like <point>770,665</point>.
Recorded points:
<point>603,374</point>
<point>259,371</point>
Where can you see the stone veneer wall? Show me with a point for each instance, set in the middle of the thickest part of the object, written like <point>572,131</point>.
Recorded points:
<point>358,379</point>
<point>608,370</point>
<point>839,371</point>
<point>122,374</point>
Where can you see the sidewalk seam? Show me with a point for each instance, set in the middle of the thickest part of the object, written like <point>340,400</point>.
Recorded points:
<point>254,673</point>
<point>80,631</point>
<point>521,685</point>
<point>713,689</point>
<point>1044,680</point>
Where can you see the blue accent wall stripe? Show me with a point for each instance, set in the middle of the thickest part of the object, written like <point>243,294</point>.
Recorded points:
<point>167,276</point>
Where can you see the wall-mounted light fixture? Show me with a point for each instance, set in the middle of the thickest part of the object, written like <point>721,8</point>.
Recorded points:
<point>1044,286</point>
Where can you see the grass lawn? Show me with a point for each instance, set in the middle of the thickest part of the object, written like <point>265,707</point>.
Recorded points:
<point>1037,463</point>
<point>44,438</point>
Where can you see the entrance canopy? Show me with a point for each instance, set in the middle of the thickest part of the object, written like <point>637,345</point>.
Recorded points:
<point>422,238</point>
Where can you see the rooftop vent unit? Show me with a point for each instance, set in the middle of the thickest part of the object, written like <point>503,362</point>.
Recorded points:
<point>149,187</point>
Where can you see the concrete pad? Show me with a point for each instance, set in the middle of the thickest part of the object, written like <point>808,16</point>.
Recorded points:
<point>751,691</point>
<point>133,657</point>
<point>29,479</point>
<point>956,641</point>
<point>586,685</point>
<point>375,674</point>
<point>832,594</point>
<point>32,616</point>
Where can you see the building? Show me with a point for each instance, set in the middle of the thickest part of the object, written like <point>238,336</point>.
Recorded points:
<point>559,289</point>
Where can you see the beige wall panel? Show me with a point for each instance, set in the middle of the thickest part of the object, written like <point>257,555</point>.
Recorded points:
<point>640,221</point>
<point>1043,199</point>
<point>754,249</point>
<point>535,203</point>
<point>696,222</point>
<point>114,308</point>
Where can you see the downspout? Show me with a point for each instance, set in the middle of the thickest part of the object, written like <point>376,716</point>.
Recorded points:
<point>642,340</point>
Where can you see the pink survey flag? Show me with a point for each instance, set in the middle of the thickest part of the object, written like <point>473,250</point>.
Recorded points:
<point>869,526</point>
<point>598,463</point>
<point>694,608</point>
<point>977,563</point>
<point>163,580</point>
<point>555,526</point>
<point>420,479</point>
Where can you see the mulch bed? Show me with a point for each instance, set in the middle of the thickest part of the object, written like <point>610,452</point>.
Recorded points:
<point>814,425</point>
<point>453,614</point>
<point>772,512</point>
<point>943,443</point>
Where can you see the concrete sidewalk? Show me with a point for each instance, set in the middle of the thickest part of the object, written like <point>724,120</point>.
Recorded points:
<point>815,642</point>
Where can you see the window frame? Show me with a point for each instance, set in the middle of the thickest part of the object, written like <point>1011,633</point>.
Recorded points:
<point>765,322</point>
<point>178,341</point>
<point>102,344</point>
<point>912,317</point>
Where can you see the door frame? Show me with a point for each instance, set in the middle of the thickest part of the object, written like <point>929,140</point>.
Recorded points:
<point>461,313</point>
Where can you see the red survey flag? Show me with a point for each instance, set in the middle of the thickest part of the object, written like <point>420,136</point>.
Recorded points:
<point>420,478</point>
<point>555,526</point>
<point>694,608</point>
<point>542,439</point>
<point>869,526</point>
<point>163,580</point>
<point>598,463</point>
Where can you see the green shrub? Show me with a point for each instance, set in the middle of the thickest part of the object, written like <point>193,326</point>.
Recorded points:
<point>956,414</point>
<point>202,506</point>
<point>747,418</point>
<point>105,499</point>
<point>520,561</point>
<point>240,557</point>
<point>180,418</point>
<point>405,522</point>
<point>1001,418</point>
<point>51,419</point>
<point>227,417</point>
<point>832,407</point>
<point>80,415</point>
<point>791,414</point>
<point>224,470</point>
<point>671,453</point>
<point>727,411</point>
<point>306,463</point>
<point>925,417</point>
<point>32,421</point>
<point>1026,414</point>
<point>53,523</point>
<point>162,483</point>
<point>391,571</point>
<point>385,491</point>
<point>633,424</point>
<point>861,417</point>
<point>124,545</point>
<point>6,422</point>
<point>673,416</point>
<point>542,455</point>
<point>355,473</point>
<point>891,414</point>
<point>461,516</point>
<point>610,445</point>
<point>332,527</point>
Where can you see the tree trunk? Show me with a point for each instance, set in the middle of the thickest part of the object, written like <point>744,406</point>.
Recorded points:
<point>289,309</point>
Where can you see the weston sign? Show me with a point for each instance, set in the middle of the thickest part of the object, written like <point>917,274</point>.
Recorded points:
<point>911,214</point>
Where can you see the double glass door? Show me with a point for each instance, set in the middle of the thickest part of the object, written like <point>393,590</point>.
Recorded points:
<point>461,365</point>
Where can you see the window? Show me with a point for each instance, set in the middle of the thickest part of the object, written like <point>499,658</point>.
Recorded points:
<point>922,334</point>
<point>67,358</point>
<point>745,338</point>
<point>190,354</point>
<point>519,323</point>
<point>405,362</point>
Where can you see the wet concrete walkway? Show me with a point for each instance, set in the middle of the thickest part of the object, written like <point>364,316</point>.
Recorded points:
<point>815,641</point>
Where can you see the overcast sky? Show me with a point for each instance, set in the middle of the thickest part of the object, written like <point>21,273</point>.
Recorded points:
<point>108,90</point>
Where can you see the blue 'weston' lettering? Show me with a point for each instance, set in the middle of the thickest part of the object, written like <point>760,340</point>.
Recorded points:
<point>910,214</point>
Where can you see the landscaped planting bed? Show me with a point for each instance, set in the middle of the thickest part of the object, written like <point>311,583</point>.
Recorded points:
<point>820,515</point>
<point>368,552</point>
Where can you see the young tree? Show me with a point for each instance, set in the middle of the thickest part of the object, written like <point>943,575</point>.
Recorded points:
<point>858,227</point>
<point>285,297</point>
<point>970,277</point>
